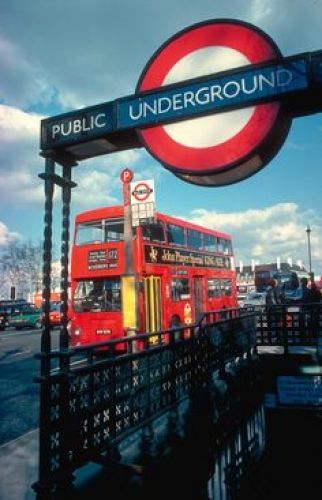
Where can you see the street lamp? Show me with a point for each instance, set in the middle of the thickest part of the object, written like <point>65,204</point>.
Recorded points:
<point>308,232</point>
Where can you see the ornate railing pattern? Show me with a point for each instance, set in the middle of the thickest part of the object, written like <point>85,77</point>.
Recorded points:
<point>96,399</point>
<point>290,325</point>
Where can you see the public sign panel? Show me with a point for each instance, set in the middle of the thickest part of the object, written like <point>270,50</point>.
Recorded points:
<point>209,105</point>
<point>225,141</point>
<point>214,94</point>
<point>78,126</point>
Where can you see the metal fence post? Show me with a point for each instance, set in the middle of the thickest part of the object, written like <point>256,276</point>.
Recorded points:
<point>42,487</point>
<point>65,431</point>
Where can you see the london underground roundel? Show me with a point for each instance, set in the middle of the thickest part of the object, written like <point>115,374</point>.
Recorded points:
<point>219,148</point>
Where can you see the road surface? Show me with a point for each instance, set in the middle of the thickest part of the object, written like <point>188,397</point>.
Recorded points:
<point>19,397</point>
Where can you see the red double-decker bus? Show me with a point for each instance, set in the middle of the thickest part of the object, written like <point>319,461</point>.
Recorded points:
<point>179,271</point>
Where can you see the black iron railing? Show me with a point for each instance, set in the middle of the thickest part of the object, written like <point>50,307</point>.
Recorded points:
<point>290,325</point>
<point>95,398</point>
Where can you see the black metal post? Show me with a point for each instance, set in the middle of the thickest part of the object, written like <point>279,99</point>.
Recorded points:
<point>308,232</point>
<point>66,197</point>
<point>66,431</point>
<point>47,462</point>
<point>43,487</point>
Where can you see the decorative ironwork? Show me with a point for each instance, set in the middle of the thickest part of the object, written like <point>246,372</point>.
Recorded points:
<point>290,325</point>
<point>96,404</point>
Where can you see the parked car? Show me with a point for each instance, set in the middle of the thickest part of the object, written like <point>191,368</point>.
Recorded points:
<point>27,318</point>
<point>242,292</point>
<point>257,299</point>
<point>3,319</point>
<point>10,307</point>
<point>55,316</point>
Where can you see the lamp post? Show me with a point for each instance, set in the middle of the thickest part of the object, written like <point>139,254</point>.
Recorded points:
<point>308,232</point>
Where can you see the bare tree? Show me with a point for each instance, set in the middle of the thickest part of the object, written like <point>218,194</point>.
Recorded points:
<point>21,266</point>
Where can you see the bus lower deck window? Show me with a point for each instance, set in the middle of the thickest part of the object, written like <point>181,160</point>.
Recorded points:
<point>213,288</point>
<point>180,289</point>
<point>98,295</point>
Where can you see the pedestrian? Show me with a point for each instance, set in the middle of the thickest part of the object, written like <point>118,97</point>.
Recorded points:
<point>273,311</point>
<point>313,301</point>
<point>302,291</point>
<point>300,297</point>
<point>272,294</point>
<point>314,295</point>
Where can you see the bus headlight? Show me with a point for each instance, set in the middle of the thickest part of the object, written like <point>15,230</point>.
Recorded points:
<point>77,331</point>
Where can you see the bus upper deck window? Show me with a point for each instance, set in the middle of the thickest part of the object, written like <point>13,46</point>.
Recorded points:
<point>194,239</point>
<point>89,232</point>
<point>154,232</point>
<point>229,247</point>
<point>114,230</point>
<point>209,243</point>
<point>176,235</point>
<point>221,245</point>
<point>224,246</point>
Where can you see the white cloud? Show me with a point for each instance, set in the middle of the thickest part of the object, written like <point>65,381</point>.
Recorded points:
<point>293,24</point>
<point>19,159</point>
<point>260,10</point>
<point>7,236</point>
<point>94,189</point>
<point>98,179</point>
<point>17,125</point>
<point>22,82</point>
<point>268,233</point>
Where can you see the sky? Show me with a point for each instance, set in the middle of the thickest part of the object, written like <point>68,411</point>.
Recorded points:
<point>59,56</point>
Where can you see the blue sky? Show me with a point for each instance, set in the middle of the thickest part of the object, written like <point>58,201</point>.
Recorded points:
<point>64,55</point>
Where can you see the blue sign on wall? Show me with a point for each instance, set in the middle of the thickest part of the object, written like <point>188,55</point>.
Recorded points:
<point>215,93</point>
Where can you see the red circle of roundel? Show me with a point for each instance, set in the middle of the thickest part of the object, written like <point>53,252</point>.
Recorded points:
<point>142,196</point>
<point>257,47</point>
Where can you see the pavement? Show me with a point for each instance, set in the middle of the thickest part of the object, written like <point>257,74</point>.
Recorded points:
<point>19,467</point>
<point>19,470</point>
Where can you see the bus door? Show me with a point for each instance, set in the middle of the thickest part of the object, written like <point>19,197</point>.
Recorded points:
<point>153,305</point>
<point>198,302</point>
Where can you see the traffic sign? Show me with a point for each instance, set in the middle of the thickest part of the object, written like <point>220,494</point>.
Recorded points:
<point>232,144</point>
<point>142,202</point>
<point>126,176</point>
<point>142,191</point>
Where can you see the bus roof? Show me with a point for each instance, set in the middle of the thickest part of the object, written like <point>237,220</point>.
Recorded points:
<point>118,211</point>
